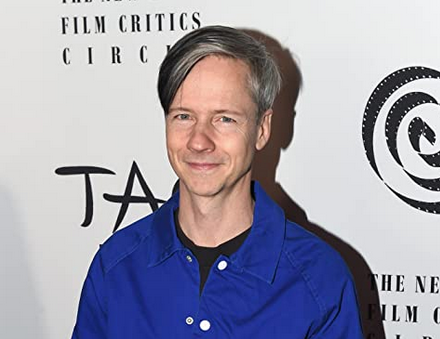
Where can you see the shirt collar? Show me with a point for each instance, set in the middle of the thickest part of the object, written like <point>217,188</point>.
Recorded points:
<point>258,255</point>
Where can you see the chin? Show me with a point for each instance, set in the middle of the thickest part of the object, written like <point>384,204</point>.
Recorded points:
<point>201,187</point>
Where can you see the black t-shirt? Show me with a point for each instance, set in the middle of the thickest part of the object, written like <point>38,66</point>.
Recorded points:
<point>206,256</point>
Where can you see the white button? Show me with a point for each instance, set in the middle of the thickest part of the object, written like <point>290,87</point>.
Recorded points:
<point>222,265</point>
<point>189,320</point>
<point>188,257</point>
<point>205,325</point>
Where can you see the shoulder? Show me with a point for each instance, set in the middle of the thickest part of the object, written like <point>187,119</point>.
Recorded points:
<point>124,242</point>
<point>310,252</point>
<point>321,267</point>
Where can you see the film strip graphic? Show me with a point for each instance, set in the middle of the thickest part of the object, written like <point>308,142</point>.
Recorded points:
<point>417,129</point>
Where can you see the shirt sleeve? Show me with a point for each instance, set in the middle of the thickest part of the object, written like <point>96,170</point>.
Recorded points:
<point>342,318</point>
<point>91,318</point>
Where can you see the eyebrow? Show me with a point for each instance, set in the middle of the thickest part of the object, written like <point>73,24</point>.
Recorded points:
<point>227,111</point>
<point>180,108</point>
<point>217,111</point>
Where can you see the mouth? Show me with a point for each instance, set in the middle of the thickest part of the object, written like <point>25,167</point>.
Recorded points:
<point>202,166</point>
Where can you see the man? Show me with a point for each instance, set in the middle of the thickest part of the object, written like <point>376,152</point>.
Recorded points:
<point>219,259</point>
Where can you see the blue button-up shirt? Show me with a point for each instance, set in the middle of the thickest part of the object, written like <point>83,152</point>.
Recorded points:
<point>283,282</point>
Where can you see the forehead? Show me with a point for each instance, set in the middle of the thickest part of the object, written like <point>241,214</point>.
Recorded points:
<point>216,83</point>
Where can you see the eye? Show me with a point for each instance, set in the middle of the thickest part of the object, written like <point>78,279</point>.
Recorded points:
<point>226,119</point>
<point>182,116</point>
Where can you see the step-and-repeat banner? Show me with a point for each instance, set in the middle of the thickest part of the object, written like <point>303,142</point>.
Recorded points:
<point>355,155</point>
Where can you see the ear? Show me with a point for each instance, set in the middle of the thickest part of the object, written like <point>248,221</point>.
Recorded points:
<point>263,132</point>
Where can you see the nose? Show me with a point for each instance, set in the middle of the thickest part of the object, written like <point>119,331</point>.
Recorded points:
<point>200,139</point>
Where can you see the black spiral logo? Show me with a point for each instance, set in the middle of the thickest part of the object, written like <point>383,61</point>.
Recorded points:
<point>416,128</point>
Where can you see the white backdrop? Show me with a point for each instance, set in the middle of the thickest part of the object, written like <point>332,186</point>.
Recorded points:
<point>90,110</point>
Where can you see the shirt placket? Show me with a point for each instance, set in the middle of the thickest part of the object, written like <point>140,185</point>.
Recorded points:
<point>204,324</point>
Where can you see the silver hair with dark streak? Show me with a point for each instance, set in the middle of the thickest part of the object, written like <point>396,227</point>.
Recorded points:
<point>264,78</point>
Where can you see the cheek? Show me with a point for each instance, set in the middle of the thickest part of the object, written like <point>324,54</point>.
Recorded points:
<point>248,138</point>
<point>172,150</point>
<point>241,146</point>
<point>174,138</point>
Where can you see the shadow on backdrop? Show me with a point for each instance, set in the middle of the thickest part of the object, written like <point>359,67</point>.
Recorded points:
<point>264,170</point>
<point>20,310</point>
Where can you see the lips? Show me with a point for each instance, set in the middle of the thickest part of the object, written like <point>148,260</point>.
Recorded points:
<point>202,166</point>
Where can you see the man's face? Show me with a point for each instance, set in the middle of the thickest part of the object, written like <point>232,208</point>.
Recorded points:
<point>211,127</point>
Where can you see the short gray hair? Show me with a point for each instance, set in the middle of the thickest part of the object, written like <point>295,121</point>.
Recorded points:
<point>264,78</point>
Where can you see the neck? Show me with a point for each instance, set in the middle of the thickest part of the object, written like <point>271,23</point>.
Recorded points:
<point>211,221</point>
